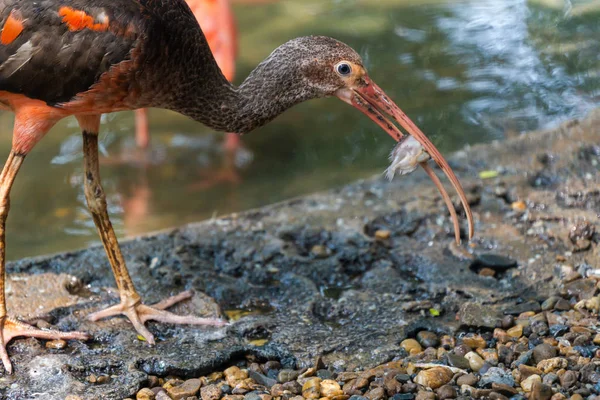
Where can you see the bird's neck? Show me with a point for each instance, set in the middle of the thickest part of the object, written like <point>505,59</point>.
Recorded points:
<point>259,99</point>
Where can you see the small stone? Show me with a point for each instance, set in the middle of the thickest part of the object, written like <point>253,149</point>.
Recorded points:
<point>539,391</point>
<point>515,332</point>
<point>286,375</point>
<point>507,321</point>
<point>448,342</point>
<point>324,374</point>
<point>250,396</point>
<point>497,376</point>
<point>428,339</point>
<point>506,390</point>
<point>330,388</point>
<point>474,341</point>
<point>74,397</point>
<point>162,395</point>
<point>312,388</point>
<point>434,378</point>
<point>356,397</point>
<point>562,305</point>
<point>211,392</point>
<point>519,206</point>
<point>475,362</point>
<point>568,379</point>
<point>375,394</point>
<point>382,234</point>
<point>461,350</point>
<point>92,378</point>
<point>577,396</point>
<point>103,379</point>
<point>320,251</point>
<point>543,352</point>
<point>403,396</point>
<point>527,384</point>
<point>558,396</point>
<point>526,371</point>
<point>458,361</point>
<point>234,374</point>
<point>153,381</point>
<point>58,344</point>
<point>486,272</point>
<point>468,379</point>
<point>549,303</point>
<point>552,364</point>
<point>145,394</point>
<point>446,392</point>
<point>186,389</point>
<point>423,395</point>
<point>497,396</point>
<point>478,315</point>
<point>261,379</point>
<point>411,346</point>
<point>490,356</point>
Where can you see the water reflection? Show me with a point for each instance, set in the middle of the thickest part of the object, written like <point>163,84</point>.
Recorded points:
<point>466,72</point>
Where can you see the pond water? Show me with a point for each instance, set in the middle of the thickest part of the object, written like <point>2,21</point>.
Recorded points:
<point>464,71</point>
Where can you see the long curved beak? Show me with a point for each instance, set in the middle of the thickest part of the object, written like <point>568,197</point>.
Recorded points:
<point>371,100</point>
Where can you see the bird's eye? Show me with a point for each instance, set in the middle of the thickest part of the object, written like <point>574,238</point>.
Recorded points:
<point>343,69</point>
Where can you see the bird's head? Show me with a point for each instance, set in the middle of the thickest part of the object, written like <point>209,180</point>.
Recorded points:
<point>317,66</point>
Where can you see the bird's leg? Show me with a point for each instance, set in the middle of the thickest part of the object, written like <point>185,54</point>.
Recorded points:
<point>10,327</point>
<point>142,136</point>
<point>130,305</point>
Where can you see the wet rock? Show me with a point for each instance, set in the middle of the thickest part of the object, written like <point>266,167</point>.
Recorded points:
<point>428,339</point>
<point>478,315</point>
<point>434,377</point>
<point>515,332</point>
<point>505,390</point>
<point>543,352</point>
<point>446,392</point>
<point>234,374</point>
<point>526,371</point>
<point>261,379</point>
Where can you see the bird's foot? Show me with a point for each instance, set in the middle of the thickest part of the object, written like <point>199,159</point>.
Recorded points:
<point>12,328</point>
<point>139,313</point>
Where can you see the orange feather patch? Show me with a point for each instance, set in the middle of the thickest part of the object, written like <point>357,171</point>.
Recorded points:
<point>78,20</point>
<point>12,29</point>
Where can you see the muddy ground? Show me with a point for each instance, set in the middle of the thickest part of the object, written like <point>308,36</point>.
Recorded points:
<point>311,277</point>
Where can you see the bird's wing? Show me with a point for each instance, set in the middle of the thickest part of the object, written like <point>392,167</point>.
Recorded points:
<point>52,50</point>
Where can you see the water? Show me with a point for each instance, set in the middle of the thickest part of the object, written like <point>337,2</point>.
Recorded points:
<point>465,72</point>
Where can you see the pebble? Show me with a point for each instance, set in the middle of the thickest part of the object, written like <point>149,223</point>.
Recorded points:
<point>375,394</point>
<point>543,352</point>
<point>330,388</point>
<point>497,376</point>
<point>428,339</point>
<point>474,341</point>
<point>382,234</point>
<point>468,379</point>
<point>411,346</point>
<point>475,362</point>
<point>552,364</point>
<point>234,374</point>
<point>185,390</point>
<point>211,392</point>
<point>527,384</point>
<point>286,375</point>
<point>403,396</point>
<point>434,377</point>
<point>458,361</point>
<point>446,392</point>
<point>312,388</point>
<point>58,344</point>
<point>515,332</point>
<point>568,379</point>
<point>540,391</point>
<point>423,395</point>
<point>261,379</point>
<point>145,394</point>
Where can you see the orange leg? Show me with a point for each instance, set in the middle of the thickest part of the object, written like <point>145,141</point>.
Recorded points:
<point>27,132</point>
<point>142,135</point>
<point>130,305</point>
